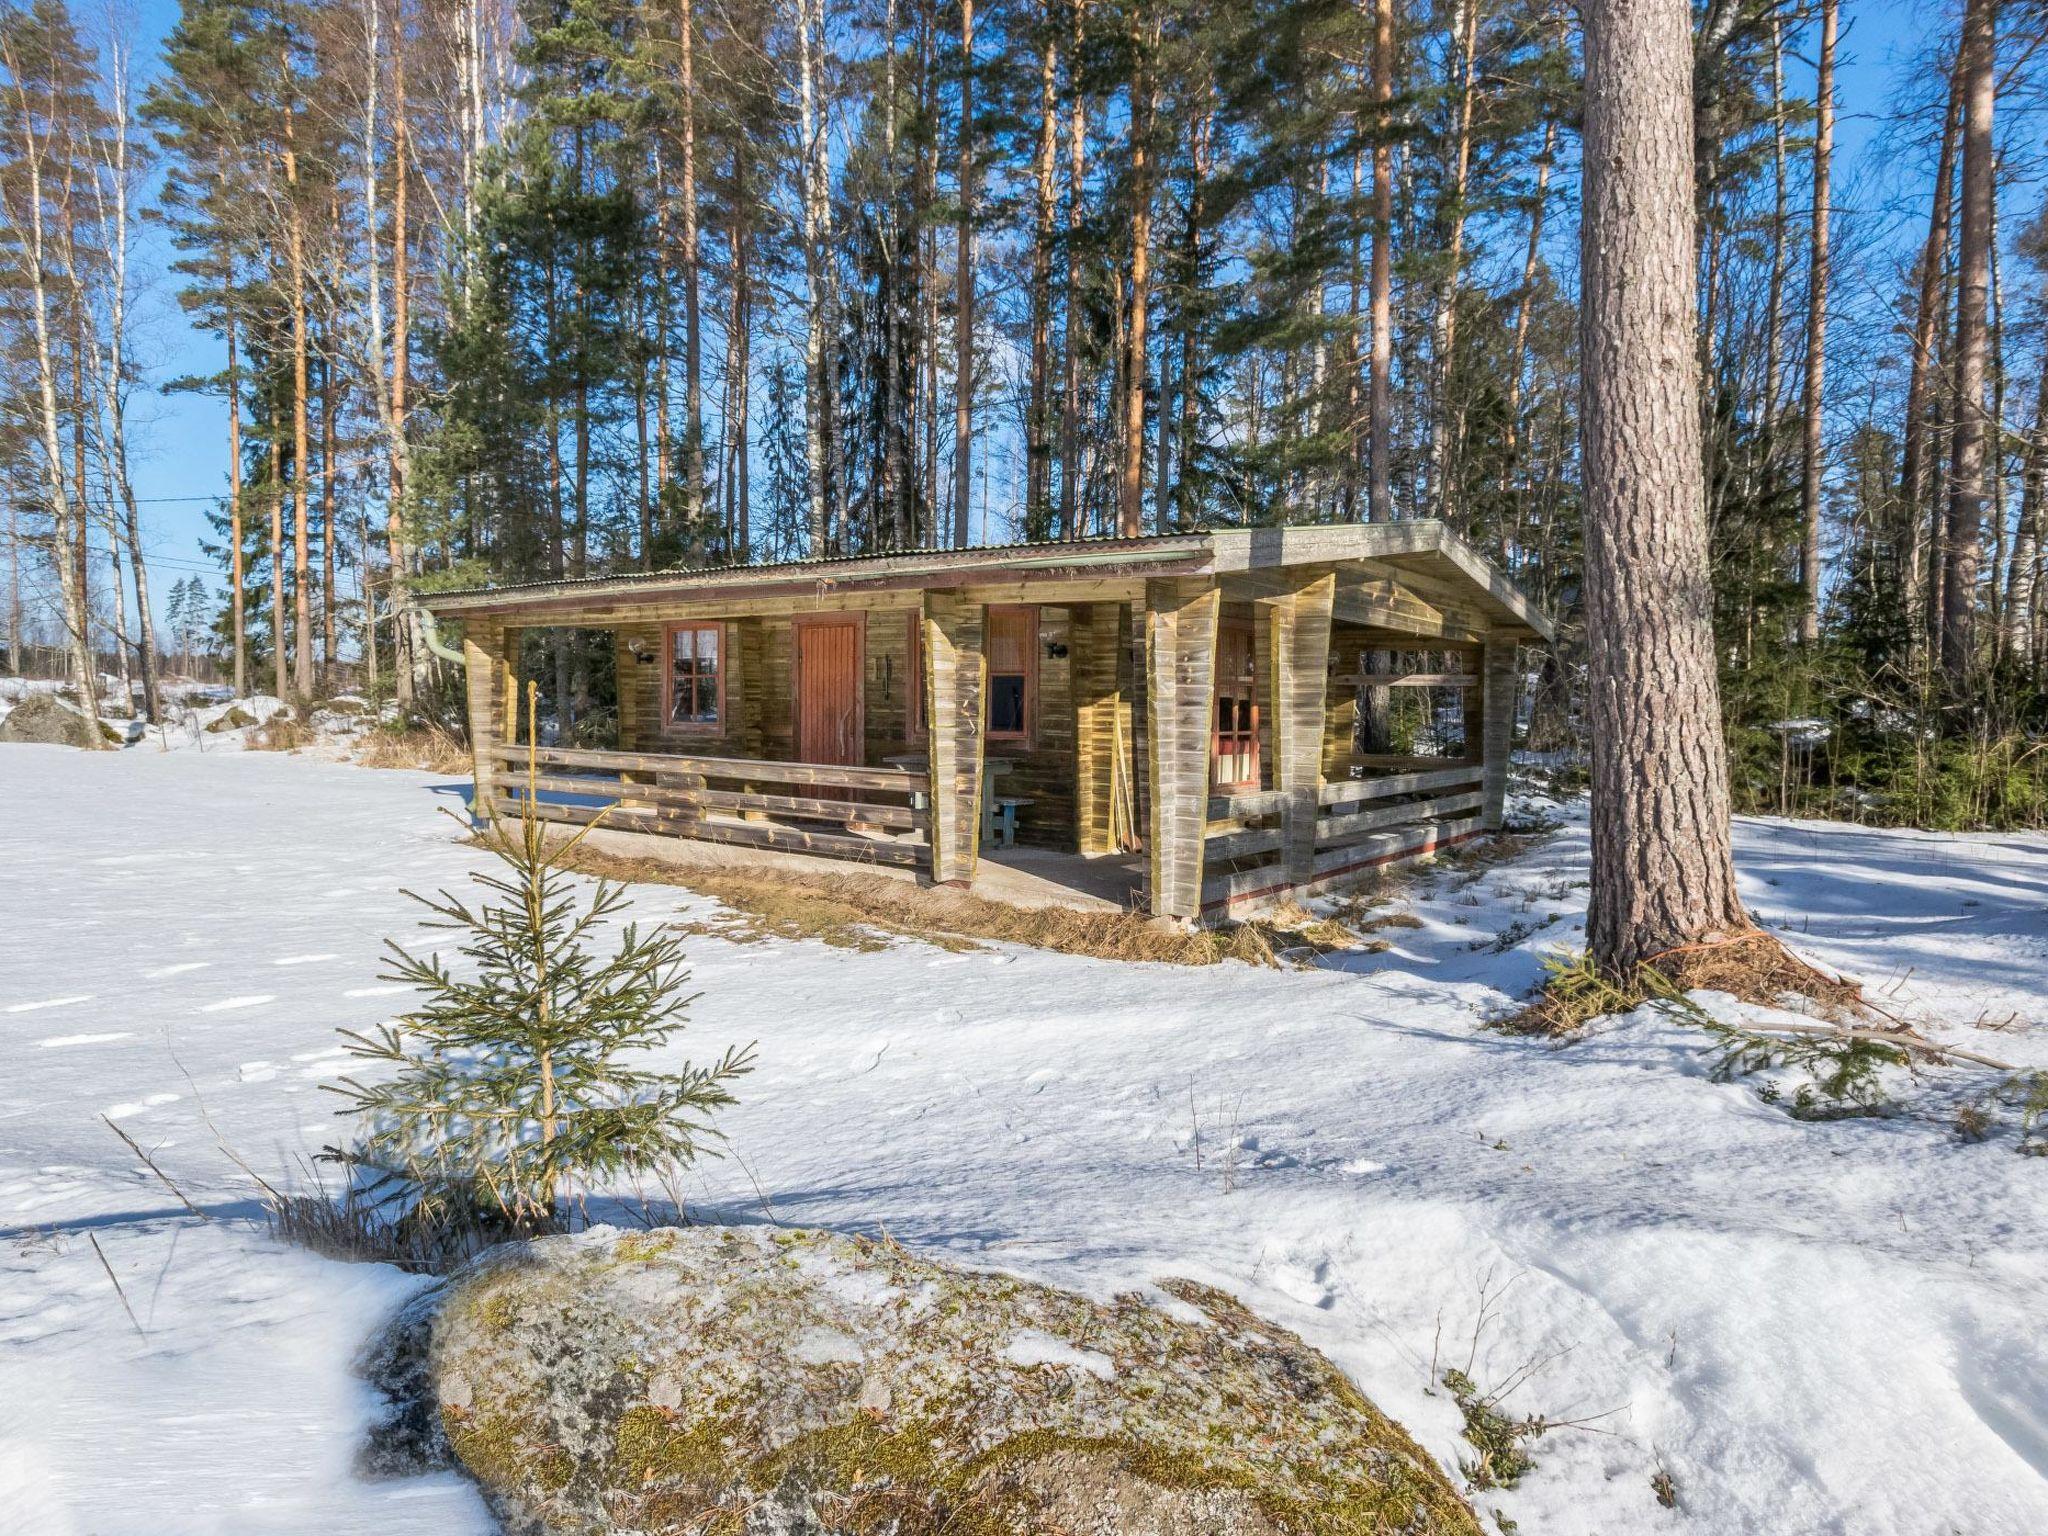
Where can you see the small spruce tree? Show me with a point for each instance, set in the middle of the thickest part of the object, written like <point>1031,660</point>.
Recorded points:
<point>514,1084</point>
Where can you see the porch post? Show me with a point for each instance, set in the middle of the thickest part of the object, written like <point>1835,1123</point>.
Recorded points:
<point>1497,727</point>
<point>1180,690</point>
<point>483,667</point>
<point>1096,637</point>
<point>1298,651</point>
<point>955,677</point>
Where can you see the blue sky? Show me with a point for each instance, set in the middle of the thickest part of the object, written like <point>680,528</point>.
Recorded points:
<point>181,468</point>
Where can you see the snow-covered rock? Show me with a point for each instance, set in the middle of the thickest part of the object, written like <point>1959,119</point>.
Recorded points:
<point>47,720</point>
<point>241,714</point>
<point>781,1381</point>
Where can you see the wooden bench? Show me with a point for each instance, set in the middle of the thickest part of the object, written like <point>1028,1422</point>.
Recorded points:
<point>1001,818</point>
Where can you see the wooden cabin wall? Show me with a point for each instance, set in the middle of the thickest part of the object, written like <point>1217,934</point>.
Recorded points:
<point>760,716</point>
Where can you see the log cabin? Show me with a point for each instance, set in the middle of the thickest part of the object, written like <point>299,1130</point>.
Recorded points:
<point>1169,722</point>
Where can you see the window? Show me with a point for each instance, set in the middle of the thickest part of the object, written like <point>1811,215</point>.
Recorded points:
<point>696,676</point>
<point>1234,744</point>
<point>1012,673</point>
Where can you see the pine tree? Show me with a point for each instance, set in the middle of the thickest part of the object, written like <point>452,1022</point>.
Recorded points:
<point>514,1084</point>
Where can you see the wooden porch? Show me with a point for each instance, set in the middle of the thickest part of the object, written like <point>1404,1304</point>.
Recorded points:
<point>1183,705</point>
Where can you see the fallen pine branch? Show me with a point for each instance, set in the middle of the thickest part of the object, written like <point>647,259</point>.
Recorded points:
<point>1902,1038</point>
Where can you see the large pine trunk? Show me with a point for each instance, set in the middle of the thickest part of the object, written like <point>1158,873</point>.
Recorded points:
<point>1662,871</point>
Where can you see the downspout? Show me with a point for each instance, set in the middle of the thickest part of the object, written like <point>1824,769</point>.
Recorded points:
<point>431,633</point>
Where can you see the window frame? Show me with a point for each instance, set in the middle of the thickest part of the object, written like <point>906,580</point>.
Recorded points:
<point>1246,630</point>
<point>669,631</point>
<point>1028,612</point>
<point>915,725</point>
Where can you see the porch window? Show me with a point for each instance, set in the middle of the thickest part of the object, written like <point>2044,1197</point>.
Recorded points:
<point>696,676</point>
<point>1012,673</point>
<point>1234,744</point>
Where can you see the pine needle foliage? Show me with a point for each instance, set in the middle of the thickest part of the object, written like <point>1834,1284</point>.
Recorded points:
<point>517,1082</point>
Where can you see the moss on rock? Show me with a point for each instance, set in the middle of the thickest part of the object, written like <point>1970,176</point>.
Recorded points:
<point>756,1384</point>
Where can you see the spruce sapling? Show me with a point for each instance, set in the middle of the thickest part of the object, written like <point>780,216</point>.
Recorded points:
<point>513,1085</point>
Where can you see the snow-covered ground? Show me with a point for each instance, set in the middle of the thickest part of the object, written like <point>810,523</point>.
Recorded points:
<point>1833,1327</point>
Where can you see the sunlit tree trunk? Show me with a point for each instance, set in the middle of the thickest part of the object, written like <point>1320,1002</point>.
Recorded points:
<point>1071,510</point>
<point>1920,580</point>
<point>1973,300</point>
<point>1144,88</point>
<point>963,294</point>
<point>1662,870</point>
<point>1817,333</point>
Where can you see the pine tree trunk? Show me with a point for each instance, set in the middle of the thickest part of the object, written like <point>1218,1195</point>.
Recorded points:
<point>963,294</point>
<point>693,338</point>
<point>1071,514</point>
<point>1037,425</point>
<point>1465,42</point>
<point>1380,388</point>
<point>1518,351</point>
<point>1662,870</point>
<point>816,256</point>
<point>1973,299</point>
<point>1774,294</point>
<point>1817,332</point>
<point>1131,474</point>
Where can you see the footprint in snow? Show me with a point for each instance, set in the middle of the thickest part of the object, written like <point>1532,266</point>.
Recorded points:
<point>256,1071</point>
<point>120,1034</point>
<point>252,1000</point>
<point>154,1101</point>
<point>50,1002</point>
<point>1305,1286</point>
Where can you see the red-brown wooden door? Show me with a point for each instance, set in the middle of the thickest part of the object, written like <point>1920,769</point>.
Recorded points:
<point>828,701</point>
<point>1234,743</point>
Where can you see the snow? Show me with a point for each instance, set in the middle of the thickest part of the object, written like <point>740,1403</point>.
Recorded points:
<point>1035,1347</point>
<point>1812,1327</point>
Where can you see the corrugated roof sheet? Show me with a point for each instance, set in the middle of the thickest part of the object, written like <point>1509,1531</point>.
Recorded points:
<point>784,568</point>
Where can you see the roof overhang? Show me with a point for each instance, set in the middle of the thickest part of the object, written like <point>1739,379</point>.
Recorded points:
<point>1426,555</point>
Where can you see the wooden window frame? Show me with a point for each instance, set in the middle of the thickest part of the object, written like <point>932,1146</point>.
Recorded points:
<point>669,722</point>
<point>1026,737</point>
<point>914,726</point>
<point>1249,630</point>
<point>858,618</point>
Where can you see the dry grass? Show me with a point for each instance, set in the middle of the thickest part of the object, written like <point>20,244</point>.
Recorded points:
<point>280,735</point>
<point>867,912</point>
<point>1756,968</point>
<point>1752,966</point>
<point>424,748</point>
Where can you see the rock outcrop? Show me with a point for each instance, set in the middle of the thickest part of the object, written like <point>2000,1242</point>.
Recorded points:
<point>46,719</point>
<point>751,1382</point>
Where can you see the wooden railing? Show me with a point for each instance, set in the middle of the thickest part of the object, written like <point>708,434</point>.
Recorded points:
<point>1243,855</point>
<point>870,815</point>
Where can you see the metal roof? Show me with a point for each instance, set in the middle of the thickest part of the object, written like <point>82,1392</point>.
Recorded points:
<point>1223,551</point>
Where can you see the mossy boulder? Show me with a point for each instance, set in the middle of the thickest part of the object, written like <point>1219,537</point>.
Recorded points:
<point>747,1382</point>
<point>46,719</point>
<point>241,714</point>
